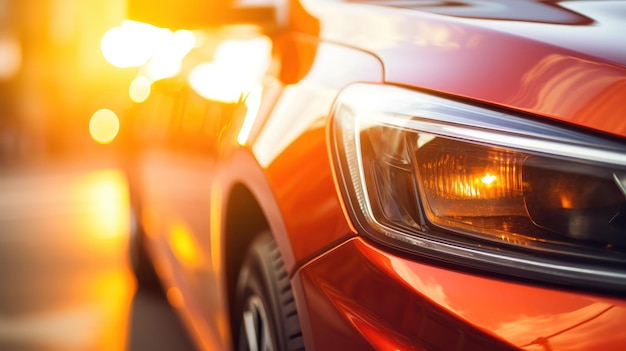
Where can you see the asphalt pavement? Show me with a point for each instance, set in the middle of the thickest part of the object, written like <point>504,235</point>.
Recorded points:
<point>65,281</point>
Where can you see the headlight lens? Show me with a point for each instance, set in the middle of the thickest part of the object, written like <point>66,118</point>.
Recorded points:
<point>471,185</point>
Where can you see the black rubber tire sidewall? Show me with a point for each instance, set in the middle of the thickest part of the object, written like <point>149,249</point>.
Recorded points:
<point>263,275</point>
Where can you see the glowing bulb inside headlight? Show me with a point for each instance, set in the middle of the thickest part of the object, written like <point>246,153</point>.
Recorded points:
<point>488,179</point>
<point>461,180</point>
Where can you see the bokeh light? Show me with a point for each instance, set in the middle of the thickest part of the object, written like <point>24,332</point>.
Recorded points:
<point>140,89</point>
<point>215,82</point>
<point>237,68</point>
<point>131,44</point>
<point>167,58</point>
<point>104,126</point>
<point>183,245</point>
<point>159,50</point>
<point>10,56</point>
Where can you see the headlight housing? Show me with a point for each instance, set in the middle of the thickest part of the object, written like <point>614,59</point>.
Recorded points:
<point>472,186</point>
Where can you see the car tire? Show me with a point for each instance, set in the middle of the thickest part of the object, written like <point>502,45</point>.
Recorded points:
<point>268,320</point>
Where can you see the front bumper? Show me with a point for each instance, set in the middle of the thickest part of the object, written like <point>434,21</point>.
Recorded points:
<point>358,297</point>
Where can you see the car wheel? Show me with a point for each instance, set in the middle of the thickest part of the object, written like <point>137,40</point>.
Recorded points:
<point>268,320</point>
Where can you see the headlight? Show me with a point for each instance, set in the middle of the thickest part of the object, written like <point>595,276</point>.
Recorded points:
<point>472,186</point>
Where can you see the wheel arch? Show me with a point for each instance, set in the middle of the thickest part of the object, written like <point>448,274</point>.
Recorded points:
<point>244,220</point>
<point>247,208</point>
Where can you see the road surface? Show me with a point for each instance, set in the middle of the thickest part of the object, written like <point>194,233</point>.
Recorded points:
<point>66,282</point>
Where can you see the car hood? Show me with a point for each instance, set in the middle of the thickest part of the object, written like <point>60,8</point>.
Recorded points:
<point>563,60</point>
<point>590,26</point>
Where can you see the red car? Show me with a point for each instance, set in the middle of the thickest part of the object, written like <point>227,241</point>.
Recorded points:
<point>407,175</point>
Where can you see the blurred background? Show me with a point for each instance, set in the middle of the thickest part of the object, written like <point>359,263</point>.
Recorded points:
<point>53,75</point>
<point>70,72</point>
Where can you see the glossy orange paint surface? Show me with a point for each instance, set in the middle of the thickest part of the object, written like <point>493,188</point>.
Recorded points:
<point>292,148</point>
<point>359,292</point>
<point>572,72</point>
<point>351,294</point>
